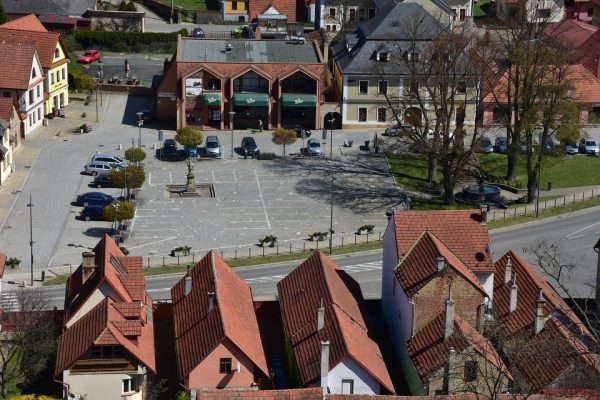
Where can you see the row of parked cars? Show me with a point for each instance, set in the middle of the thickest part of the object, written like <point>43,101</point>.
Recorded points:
<point>585,146</point>
<point>170,150</point>
<point>99,167</point>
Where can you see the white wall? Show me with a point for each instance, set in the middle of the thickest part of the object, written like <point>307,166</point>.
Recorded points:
<point>101,386</point>
<point>364,383</point>
<point>487,281</point>
<point>389,262</point>
<point>96,297</point>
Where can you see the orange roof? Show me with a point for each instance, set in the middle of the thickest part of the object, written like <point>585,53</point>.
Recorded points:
<point>570,31</point>
<point>104,325</point>
<point>429,350</point>
<point>460,230</point>
<point>198,331</point>
<point>286,394</point>
<point>300,294</point>
<point>419,265</point>
<point>27,23</point>
<point>2,264</point>
<point>6,108</point>
<point>44,42</point>
<point>15,64</point>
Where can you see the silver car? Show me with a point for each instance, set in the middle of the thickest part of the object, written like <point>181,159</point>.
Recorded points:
<point>313,147</point>
<point>99,168</point>
<point>213,147</point>
<point>110,159</point>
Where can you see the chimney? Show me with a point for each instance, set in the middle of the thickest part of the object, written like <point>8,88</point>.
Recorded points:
<point>88,265</point>
<point>507,271</point>
<point>449,329</point>
<point>320,317</point>
<point>540,317</point>
<point>324,365</point>
<point>451,370</point>
<point>441,263</point>
<point>211,301</point>
<point>484,212</point>
<point>188,284</point>
<point>513,295</point>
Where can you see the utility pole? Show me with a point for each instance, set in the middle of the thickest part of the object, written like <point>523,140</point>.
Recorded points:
<point>140,123</point>
<point>30,205</point>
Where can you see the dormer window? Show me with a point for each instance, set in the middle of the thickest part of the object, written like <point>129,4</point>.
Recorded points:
<point>383,56</point>
<point>33,74</point>
<point>57,52</point>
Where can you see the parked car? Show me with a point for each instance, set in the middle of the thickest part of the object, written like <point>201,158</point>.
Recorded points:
<point>484,145</point>
<point>198,33</point>
<point>96,168</point>
<point>94,212</point>
<point>313,147</point>
<point>213,147</point>
<point>501,145</point>
<point>110,159</point>
<point>169,149</point>
<point>571,148</point>
<point>301,132</point>
<point>588,146</point>
<point>94,198</point>
<point>90,56</point>
<point>249,146</point>
<point>101,181</point>
<point>191,151</point>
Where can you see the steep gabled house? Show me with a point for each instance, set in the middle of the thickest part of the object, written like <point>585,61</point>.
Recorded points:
<point>9,136</point>
<point>55,15</point>
<point>327,332</point>
<point>106,349</point>
<point>544,339</point>
<point>217,340</point>
<point>53,56</point>
<point>22,80</point>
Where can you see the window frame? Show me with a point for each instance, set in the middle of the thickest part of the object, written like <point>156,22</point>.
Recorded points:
<point>352,14</point>
<point>384,119</point>
<point>470,371</point>
<point>130,383</point>
<point>332,12</point>
<point>385,86</point>
<point>366,114</point>
<point>360,89</point>
<point>234,5</point>
<point>225,365</point>
<point>351,382</point>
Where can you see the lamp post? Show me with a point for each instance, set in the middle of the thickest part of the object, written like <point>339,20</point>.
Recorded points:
<point>30,205</point>
<point>231,115</point>
<point>140,123</point>
<point>331,120</point>
<point>331,216</point>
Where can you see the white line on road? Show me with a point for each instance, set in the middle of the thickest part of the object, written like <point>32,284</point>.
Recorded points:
<point>235,176</point>
<point>262,199</point>
<point>570,235</point>
<point>149,244</point>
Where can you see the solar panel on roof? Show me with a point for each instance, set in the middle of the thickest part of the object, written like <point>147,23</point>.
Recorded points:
<point>117,264</point>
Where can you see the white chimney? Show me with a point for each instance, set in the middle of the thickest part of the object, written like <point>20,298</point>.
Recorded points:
<point>513,295</point>
<point>88,265</point>
<point>484,212</point>
<point>188,284</point>
<point>449,327</point>
<point>320,317</point>
<point>507,271</point>
<point>441,263</point>
<point>211,301</point>
<point>451,369</point>
<point>540,311</point>
<point>324,366</point>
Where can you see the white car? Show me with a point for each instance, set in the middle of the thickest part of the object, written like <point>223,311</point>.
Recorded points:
<point>99,168</point>
<point>588,146</point>
<point>110,159</point>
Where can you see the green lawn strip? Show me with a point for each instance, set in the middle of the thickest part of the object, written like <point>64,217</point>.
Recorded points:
<point>199,5</point>
<point>409,170</point>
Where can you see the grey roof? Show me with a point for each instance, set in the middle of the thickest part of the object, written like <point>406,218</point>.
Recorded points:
<point>74,8</point>
<point>441,4</point>
<point>247,51</point>
<point>393,23</point>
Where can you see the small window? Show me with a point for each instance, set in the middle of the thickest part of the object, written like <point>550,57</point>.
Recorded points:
<point>461,14</point>
<point>38,91</point>
<point>362,114</point>
<point>363,87</point>
<point>461,87</point>
<point>334,28</point>
<point>332,13</point>
<point>383,57</point>
<point>414,87</point>
<point>347,386</point>
<point>381,114</point>
<point>225,365</point>
<point>63,72</point>
<point>470,371</point>
<point>234,5</point>
<point>31,96</point>
<point>371,13</point>
<point>57,52</point>
<point>57,76</point>
<point>33,74</point>
<point>590,12</point>
<point>543,13</point>
<point>328,27</point>
<point>51,79</point>
<point>128,386</point>
<point>6,94</point>
<point>352,14</point>
<point>361,14</point>
<point>382,87</point>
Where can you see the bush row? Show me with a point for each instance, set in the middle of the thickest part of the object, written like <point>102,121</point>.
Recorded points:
<point>122,41</point>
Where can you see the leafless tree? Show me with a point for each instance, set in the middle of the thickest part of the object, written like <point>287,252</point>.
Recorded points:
<point>28,339</point>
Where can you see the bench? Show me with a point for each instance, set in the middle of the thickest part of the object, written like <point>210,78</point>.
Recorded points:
<point>266,156</point>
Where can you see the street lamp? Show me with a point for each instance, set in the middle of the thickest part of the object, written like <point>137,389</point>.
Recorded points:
<point>231,114</point>
<point>140,123</point>
<point>30,205</point>
<point>331,121</point>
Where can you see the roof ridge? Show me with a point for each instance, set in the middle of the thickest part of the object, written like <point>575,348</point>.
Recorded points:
<point>412,247</point>
<point>364,328</point>
<point>217,299</point>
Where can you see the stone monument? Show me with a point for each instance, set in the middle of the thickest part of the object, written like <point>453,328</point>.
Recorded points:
<point>190,186</point>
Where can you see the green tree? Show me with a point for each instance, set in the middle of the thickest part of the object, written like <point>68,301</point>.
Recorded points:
<point>2,14</point>
<point>118,211</point>
<point>189,137</point>
<point>131,177</point>
<point>134,154</point>
<point>284,137</point>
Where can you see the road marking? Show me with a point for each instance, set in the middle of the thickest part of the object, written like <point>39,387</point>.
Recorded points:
<point>571,235</point>
<point>351,269</point>
<point>151,243</point>
<point>235,176</point>
<point>262,199</point>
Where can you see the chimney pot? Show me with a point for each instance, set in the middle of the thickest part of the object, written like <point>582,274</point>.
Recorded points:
<point>484,212</point>
<point>540,318</point>
<point>211,301</point>
<point>441,263</point>
<point>449,326</point>
<point>507,271</point>
<point>188,284</point>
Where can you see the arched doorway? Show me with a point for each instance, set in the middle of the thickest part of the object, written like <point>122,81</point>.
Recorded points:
<point>335,124</point>
<point>413,116</point>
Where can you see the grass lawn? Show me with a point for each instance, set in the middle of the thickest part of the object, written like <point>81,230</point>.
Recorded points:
<point>479,10</point>
<point>200,5</point>
<point>410,171</point>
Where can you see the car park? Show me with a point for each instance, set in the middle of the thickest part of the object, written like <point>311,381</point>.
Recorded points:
<point>110,159</point>
<point>313,147</point>
<point>588,146</point>
<point>501,145</point>
<point>484,145</point>
<point>249,146</point>
<point>95,212</point>
<point>301,132</point>
<point>212,146</point>
<point>90,56</point>
<point>571,148</point>
<point>96,168</point>
<point>94,198</point>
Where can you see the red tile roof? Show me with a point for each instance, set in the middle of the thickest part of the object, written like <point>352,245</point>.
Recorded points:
<point>419,265</point>
<point>105,325</point>
<point>198,331</point>
<point>2,262</point>
<point>460,230</point>
<point>27,23</point>
<point>287,394</point>
<point>16,64</point>
<point>44,42</point>
<point>571,32</point>
<point>429,350</point>
<point>6,108</point>
<point>300,294</point>
<point>529,283</point>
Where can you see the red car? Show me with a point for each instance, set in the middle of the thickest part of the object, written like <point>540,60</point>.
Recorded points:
<point>90,56</point>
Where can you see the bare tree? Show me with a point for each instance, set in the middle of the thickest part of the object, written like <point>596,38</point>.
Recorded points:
<point>28,339</point>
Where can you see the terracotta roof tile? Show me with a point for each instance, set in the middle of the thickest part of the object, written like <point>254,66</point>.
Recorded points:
<point>287,394</point>
<point>429,350</point>
<point>198,331</point>
<point>571,32</point>
<point>27,23</point>
<point>419,265</point>
<point>44,42</point>
<point>15,64</point>
<point>300,294</point>
<point>460,230</point>
<point>6,108</point>
<point>130,310</point>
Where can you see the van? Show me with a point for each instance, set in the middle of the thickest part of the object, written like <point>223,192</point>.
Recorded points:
<point>97,168</point>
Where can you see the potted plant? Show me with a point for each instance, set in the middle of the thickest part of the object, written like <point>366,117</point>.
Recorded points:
<point>269,239</point>
<point>12,262</point>
<point>181,250</point>
<point>317,236</point>
<point>367,228</point>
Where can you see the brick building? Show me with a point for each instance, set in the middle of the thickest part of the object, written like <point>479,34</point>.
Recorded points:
<point>279,82</point>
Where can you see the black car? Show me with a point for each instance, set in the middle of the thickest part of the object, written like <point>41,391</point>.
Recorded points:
<point>94,198</point>
<point>169,149</point>
<point>101,181</point>
<point>301,132</point>
<point>249,146</point>
<point>198,33</point>
<point>95,213</point>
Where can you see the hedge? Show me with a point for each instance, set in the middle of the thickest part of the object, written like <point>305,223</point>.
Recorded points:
<point>120,41</point>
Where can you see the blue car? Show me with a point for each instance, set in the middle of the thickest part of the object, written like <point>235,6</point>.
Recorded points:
<point>94,199</point>
<point>95,213</point>
<point>191,151</point>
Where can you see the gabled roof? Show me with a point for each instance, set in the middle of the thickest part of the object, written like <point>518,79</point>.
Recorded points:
<point>106,325</point>
<point>27,23</point>
<point>15,64</point>
<point>44,42</point>
<point>391,23</point>
<point>571,31</point>
<point>419,266</point>
<point>124,275</point>
<point>198,331</point>
<point>53,7</point>
<point>284,394</point>
<point>461,232</point>
<point>428,348</point>
<point>300,294</point>
<point>6,108</point>
<point>529,283</point>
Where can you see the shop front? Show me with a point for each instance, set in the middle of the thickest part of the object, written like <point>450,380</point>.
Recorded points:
<point>298,109</point>
<point>212,102</point>
<point>249,108</point>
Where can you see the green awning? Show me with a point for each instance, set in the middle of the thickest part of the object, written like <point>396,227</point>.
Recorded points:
<point>298,100</point>
<point>251,99</point>
<point>211,99</point>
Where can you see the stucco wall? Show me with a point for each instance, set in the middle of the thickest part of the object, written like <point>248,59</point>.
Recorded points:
<point>364,383</point>
<point>101,386</point>
<point>96,297</point>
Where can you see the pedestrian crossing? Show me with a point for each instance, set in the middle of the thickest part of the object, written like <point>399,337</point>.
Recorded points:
<point>351,269</point>
<point>9,302</point>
